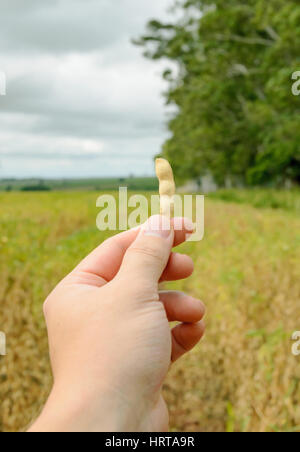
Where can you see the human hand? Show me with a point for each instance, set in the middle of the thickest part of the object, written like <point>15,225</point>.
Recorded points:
<point>109,335</point>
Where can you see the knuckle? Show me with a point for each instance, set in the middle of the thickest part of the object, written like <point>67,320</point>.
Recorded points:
<point>146,252</point>
<point>46,307</point>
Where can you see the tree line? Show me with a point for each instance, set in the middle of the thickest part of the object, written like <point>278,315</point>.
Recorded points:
<point>232,81</point>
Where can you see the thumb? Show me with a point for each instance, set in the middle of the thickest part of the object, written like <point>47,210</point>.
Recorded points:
<point>149,254</point>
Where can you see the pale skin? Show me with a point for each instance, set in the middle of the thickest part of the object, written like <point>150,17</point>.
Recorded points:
<point>111,345</point>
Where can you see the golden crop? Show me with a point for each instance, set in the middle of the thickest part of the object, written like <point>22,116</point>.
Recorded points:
<point>242,377</point>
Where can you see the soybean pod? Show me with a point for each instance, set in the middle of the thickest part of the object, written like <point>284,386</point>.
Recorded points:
<point>167,187</point>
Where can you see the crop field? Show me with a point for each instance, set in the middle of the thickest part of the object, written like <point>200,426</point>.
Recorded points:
<point>243,377</point>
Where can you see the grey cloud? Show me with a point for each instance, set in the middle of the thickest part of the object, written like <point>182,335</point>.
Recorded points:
<point>71,25</point>
<point>47,156</point>
<point>103,126</point>
<point>21,6</point>
<point>68,156</point>
<point>68,25</point>
<point>33,95</point>
<point>45,105</point>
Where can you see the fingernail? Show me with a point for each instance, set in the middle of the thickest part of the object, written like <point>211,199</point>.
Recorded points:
<point>188,236</point>
<point>158,226</point>
<point>189,225</point>
<point>183,223</point>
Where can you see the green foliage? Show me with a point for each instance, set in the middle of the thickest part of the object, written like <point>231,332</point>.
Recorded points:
<point>38,187</point>
<point>236,116</point>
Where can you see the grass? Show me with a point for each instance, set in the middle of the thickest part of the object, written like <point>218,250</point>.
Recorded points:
<point>274,199</point>
<point>243,377</point>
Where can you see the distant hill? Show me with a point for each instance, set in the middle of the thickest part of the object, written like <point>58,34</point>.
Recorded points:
<point>106,184</point>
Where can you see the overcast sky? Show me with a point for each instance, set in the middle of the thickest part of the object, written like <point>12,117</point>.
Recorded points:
<point>81,100</point>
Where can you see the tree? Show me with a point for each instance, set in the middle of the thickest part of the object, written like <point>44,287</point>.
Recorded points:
<point>236,116</point>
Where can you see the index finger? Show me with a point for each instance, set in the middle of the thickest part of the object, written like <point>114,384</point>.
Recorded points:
<point>105,261</point>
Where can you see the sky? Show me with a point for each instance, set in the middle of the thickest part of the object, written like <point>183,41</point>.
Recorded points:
<point>81,100</point>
